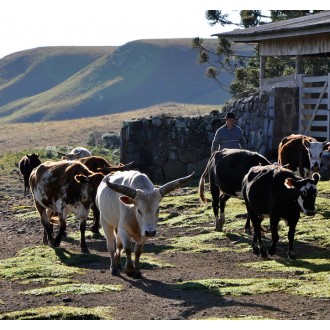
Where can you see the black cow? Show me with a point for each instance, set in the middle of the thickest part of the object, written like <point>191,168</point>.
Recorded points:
<point>26,165</point>
<point>226,170</point>
<point>277,192</point>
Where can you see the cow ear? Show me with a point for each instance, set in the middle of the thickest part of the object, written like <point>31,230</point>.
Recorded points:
<point>326,146</point>
<point>81,178</point>
<point>126,200</point>
<point>316,177</point>
<point>290,183</point>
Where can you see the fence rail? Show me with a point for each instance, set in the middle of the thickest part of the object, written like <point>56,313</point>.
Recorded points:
<point>314,106</point>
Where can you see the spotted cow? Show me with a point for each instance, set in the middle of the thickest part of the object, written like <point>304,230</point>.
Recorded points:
<point>63,187</point>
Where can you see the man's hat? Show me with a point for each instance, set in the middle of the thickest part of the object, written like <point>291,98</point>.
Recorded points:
<point>230,115</point>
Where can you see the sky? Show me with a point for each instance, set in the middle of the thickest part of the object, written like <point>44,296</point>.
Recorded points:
<point>26,24</point>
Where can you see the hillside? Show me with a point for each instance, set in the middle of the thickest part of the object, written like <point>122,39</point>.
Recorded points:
<point>56,83</point>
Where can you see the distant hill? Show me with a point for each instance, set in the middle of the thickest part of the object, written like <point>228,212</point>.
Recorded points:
<point>56,83</point>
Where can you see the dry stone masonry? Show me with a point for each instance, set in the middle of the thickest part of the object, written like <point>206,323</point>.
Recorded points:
<point>166,147</point>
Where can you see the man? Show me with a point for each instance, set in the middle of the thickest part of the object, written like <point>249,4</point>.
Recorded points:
<point>229,135</point>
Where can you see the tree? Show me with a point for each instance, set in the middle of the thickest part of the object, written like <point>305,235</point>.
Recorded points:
<point>245,69</point>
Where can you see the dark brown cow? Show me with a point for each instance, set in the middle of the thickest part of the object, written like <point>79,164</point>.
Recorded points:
<point>63,187</point>
<point>301,154</point>
<point>99,164</point>
<point>26,165</point>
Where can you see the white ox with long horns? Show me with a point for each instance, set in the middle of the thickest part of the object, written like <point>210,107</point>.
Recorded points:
<point>129,207</point>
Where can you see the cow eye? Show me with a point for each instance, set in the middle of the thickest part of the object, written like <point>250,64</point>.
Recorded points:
<point>304,192</point>
<point>139,211</point>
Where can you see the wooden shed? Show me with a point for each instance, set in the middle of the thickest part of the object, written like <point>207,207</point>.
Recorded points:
<point>299,37</point>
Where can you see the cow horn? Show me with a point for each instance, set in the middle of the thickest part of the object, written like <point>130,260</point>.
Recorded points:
<point>168,187</point>
<point>79,152</point>
<point>61,154</point>
<point>121,189</point>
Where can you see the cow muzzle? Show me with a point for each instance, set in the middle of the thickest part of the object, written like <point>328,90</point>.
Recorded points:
<point>150,233</point>
<point>310,213</point>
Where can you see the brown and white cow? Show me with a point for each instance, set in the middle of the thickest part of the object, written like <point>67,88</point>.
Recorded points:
<point>99,164</point>
<point>76,153</point>
<point>129,206</point>
<point>63,187</point>
<point>301,154</point>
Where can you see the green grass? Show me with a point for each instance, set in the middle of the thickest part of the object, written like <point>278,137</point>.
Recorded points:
<point>60,313</point>
<point>73,288</point>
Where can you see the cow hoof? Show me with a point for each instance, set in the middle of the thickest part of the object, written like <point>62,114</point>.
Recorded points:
<point>95,230</point>
<point>271,251</point>
<point>255,251</point>
<point>292,256</point>
<point>85,251</point>
<point>248,231</point>
<point>115,271</point>
<point>137,275</point>
<point>130,273</point>
<point>263,254</point>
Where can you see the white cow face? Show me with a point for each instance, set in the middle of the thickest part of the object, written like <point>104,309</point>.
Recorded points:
<point>146,208</point>
<point>307,192</point>
<point>315,150</point>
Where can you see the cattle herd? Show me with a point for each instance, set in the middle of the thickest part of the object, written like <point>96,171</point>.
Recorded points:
<point>126,203</point>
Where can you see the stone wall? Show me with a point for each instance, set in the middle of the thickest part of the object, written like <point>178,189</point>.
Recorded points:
<point>166,147</point>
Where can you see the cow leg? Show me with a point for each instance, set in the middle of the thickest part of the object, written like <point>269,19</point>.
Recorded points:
<point>215,192</point>
<point>110,237</point>
<point>96,220</point>
<point>274,231</point>
<point>82,227</point>
<point>257,245</point>
<point>58,237</point>
<point>48,237</point>
<point>223,199</point>
<point>119,247</point>
<point>137,251</point>
<point>247,227</point>
<point>291,233</point>
<point>129,267</point>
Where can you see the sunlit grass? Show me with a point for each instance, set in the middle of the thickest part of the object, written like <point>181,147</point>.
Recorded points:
<point>75,288</point>
<point>60,313</point>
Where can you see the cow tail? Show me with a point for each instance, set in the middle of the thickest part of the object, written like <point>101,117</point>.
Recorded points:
<point>201,187</point>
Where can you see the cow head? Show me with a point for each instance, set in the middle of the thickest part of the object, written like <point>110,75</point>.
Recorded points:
<point>71,155</point>
<point>146,203</point>
<point>307,191</point>
<point>315,151</point>
<point>92,181</point>
<point>34,160</point>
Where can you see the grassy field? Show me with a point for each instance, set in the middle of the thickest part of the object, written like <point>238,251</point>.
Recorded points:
<point>26,136</point>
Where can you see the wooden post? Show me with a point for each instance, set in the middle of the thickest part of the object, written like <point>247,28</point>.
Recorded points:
<point>262,69</point>
<point>299,67</point>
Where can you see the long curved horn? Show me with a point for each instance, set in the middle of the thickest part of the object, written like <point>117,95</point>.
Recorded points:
<point>168,187</point>
<point>121,189</point>
<point>61,154</point>
<point>78,153</point>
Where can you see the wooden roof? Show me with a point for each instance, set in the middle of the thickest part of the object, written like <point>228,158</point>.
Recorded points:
<point>302,26</point>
